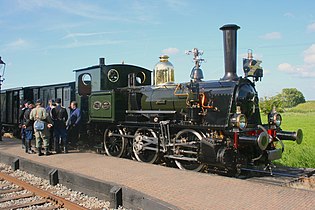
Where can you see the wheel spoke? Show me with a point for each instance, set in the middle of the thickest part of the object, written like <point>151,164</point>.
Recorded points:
<point>188,147</point>
<point>144,147</point>
<point>114,145</point>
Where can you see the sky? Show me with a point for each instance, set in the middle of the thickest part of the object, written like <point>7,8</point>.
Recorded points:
<point>43,41</point>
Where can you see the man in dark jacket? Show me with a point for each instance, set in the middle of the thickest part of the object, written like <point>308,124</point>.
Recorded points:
<point>51,105</point>
<point>60,116</point>
<point>28,128</point>
<point>73,123</point>
<point>23,107</point>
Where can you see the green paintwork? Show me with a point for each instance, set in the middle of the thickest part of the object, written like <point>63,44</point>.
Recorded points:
<point>114,109</point>
<point>162,98</point>
<point>102,111</point>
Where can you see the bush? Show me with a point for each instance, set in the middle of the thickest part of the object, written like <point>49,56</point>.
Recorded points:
<point>266,104</point>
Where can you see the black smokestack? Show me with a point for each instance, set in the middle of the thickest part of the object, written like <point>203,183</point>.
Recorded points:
<point>229,43</point>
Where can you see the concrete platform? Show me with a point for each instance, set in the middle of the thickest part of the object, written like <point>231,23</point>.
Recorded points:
<point>179,189</point>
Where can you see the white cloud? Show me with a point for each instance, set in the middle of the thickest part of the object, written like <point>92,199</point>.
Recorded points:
<point>86,10</point>
<point>77,44</point>
<point>311,27</point>
<point>17,44</point>
<point>286,67</point>
<point>271,36</point>
<point>307,69</point>
<point>139,11</point>
<point>309,55</point>
<point>170,51</point>
<point>301,71</point>
<point>72,35</point>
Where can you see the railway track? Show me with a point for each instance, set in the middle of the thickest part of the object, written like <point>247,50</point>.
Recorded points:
<point>18,192</point>
<point>33,196</point>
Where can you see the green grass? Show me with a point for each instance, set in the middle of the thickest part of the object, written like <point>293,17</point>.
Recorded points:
<point>303,155</point>
<point>307,107</point>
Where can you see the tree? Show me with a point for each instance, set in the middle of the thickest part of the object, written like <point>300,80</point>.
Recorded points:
<point>291,97</point>
<point>267,103</point>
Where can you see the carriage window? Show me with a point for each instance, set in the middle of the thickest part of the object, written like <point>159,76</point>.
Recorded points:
<point>67,95</point>
<point>86,79</point>
<point>21,96</point>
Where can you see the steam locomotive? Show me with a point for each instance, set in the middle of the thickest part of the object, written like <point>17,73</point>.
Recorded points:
<point>194,124</point>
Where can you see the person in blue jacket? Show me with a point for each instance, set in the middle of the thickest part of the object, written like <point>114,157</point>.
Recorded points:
<point>73,124</point>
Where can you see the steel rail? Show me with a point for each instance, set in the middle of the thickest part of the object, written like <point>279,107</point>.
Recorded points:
<point>61,202</point>
<point>28,204</point>
<point>10,190</point>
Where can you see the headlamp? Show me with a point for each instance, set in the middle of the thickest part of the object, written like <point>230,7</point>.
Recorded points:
<point>275,119</point>
<point>239,121</point>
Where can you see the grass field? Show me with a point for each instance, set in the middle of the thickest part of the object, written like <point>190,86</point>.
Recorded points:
<point>301,116</point>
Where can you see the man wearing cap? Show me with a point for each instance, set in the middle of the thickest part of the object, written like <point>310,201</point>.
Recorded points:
<point>28,128</point>
<point>60,116</point>
<point>39,114</point>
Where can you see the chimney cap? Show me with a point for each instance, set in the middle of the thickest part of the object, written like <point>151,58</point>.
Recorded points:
<point>230,26</point>
<point>102,61</point>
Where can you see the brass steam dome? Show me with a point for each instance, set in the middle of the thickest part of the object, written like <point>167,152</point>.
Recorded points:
<point>163,72</point>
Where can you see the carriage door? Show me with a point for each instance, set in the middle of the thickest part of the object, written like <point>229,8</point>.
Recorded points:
<point>35,95</point>
<point>59,94</point>
<point>67,98</point>
<point>16,106</point>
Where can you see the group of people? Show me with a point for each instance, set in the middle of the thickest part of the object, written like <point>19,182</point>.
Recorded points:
<point>52,127</point>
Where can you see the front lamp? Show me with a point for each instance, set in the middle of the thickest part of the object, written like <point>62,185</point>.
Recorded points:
<point>239,121</point>
<point>275,119</point>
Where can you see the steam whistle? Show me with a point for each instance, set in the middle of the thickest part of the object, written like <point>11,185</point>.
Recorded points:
<point>196,74</point>
<point>252,67</point>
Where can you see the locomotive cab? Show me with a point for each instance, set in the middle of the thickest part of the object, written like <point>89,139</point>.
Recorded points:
<point>99,93</point>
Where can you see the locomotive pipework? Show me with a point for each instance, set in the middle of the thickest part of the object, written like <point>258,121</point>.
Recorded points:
<point>203,99</point>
